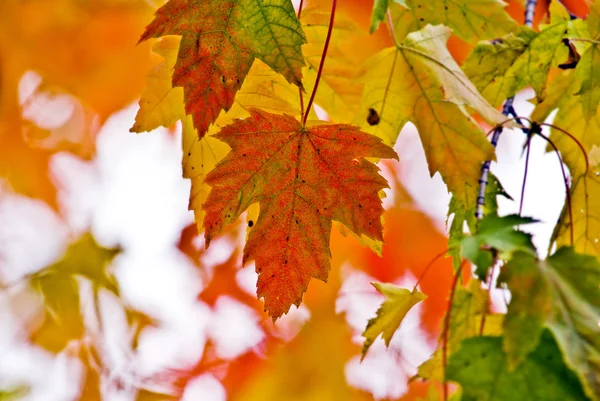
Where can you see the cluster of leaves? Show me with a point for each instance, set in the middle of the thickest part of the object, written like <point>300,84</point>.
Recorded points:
<point>236,73</point>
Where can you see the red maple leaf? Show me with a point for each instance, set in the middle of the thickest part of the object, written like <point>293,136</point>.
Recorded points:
<point>303,178</point>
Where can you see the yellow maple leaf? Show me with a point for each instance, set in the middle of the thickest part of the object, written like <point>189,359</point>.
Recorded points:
<point>398,302</point>
<point>470,20</point>
<point>418,81</point>
<point>562,95</point>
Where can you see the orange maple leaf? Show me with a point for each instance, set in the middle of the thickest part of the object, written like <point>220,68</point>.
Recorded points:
<point>303,178</point>
<point>220,40</point>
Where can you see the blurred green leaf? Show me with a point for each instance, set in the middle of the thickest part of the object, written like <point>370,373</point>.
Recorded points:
<point>481,368</point>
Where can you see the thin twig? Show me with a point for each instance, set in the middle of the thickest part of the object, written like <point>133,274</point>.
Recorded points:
<point>528,145</point>
<point>322,63</point>
<point>426,270</point>
<point>485,168</point>
<point>490,279</point>
<point>447,328</point>
<point>300,89</point>
<point>567,187</point>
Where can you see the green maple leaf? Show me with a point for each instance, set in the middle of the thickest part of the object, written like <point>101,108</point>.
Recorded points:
<point>563,294</point>
<point>529,309</point>
<point>461,215</point>
<point>220,39</point>
<point>418,81</point>
<point>503,67</point>
<point>398,302</point>
<point>496,235</point>
<point>470,20</point>
<point>482,370</point>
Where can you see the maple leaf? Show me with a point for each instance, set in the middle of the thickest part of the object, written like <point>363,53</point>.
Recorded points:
<point>496,235</point>
<point>220,40</point>
<point>160,103</point>
<point>503,67</point>
<point>561,95</point>
<point>470,20</point>
<point>481,368</point>
<point>391,313</point>
<point>303,178</point>
<point>461,215</point>
<point>529,308</point>
<point>563,294</point>
<point>418,81</point>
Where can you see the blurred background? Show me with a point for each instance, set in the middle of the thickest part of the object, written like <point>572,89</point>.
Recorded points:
<point>106,291</point>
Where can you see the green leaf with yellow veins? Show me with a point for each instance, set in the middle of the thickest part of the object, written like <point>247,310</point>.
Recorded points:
<point>481,368</point>
<point>468,308</point>
<point>529,309</point>
<point>160,103</point>
<point>503,68</point>
<point>489,61</point>
<point>398,302</point>
<point>470,20</point>
<point>418,81</point>
<point>58,286</point>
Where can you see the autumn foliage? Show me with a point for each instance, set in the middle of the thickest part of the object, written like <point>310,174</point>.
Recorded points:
<point>288,116</point>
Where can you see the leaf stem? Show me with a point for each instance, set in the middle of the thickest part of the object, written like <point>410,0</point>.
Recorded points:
<point>391,28</point>
<point>506,109</point>
<point>447,329</point>
<point>299,89</point>
<point>322,63</point>
<point>521,201</point>
<point>431,263</point>
<point>490,278</point>
<point>567,188</point>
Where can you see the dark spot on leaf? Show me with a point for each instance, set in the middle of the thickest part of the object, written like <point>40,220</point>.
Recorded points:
<point>272,275</point>
<point>373,117</point>
<point>285,262</point>
<point>421,19</point>
<point>287,238</point>
<point>189,153</point>
<point>223,78</point>
<point>250,223</point>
